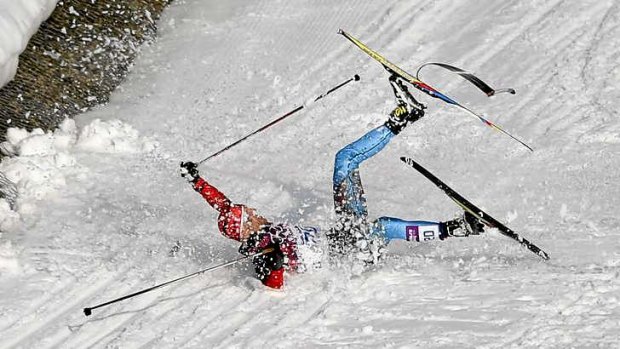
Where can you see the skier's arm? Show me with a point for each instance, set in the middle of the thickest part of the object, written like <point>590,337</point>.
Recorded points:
<point>215,198</point>
<point>212,195</point>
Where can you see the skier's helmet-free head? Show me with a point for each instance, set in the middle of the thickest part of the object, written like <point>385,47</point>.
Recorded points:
<point>251,222</point>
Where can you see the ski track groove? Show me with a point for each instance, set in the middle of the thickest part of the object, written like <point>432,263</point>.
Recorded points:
<point>176,310</point>
<point>290,319</point>
<point>121,329</point>
<point>594,97</point>
<point>135,310</point>
<point>82,296</point>
<point>74,297</point>
<point>227,320</point>
<point>482,53</point>
<point>565,124</point>
<point>527,100</point>
<point>70,304</point>
<point>542,123</point>
<point>173,314</point>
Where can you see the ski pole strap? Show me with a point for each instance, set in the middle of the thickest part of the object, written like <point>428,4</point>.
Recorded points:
<point>474,80</point>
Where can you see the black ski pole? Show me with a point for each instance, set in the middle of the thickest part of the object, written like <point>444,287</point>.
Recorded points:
<point>88,310</point>
<point>354,78</point>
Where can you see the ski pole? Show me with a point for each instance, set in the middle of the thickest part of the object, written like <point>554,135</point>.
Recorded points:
<point>88,310</point>
<point>354,78</point>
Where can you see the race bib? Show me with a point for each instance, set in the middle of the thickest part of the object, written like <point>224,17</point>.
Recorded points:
<point>422,233</point>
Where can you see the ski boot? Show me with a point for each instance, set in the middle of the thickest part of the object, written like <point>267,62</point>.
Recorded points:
<point>408,110</point>
<point>463,226</point>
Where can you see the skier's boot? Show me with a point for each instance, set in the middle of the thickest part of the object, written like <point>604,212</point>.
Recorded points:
<point>463,226</point>
<point>408,109</point>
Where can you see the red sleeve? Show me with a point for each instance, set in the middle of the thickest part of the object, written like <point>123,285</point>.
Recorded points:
<point>214,197</point>
<point>229,220</point>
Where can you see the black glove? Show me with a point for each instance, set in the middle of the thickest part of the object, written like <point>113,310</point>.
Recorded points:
<point>265,263</point>
<point>189,171</point>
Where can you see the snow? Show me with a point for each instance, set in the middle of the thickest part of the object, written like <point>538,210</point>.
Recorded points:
<point>43,162</point>
<point>19,20</point>
<point>101,203</point>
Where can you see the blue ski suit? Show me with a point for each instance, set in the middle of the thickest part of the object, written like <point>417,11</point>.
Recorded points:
<point>349,197</point>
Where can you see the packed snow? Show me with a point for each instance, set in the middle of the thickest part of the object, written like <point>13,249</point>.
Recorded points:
<point>101,211</point>
<point>19,20</point>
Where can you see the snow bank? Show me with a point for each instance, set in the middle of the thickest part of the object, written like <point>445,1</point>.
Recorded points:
<point>112,137</point>
<point>44,162</point>
<point>9,264</point>
<point>19,20</point>
<point>8,217</point>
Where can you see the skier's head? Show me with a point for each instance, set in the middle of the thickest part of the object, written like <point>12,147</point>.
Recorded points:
<point>251,222</point>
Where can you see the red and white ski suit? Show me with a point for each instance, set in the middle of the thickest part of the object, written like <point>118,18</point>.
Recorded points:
<point>230,223</point>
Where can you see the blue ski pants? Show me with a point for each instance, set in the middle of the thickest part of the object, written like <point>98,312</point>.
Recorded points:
<point>349,196</point>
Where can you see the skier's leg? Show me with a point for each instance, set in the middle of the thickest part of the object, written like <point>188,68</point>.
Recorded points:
<point>351,230</point>
<point>347,185</point>
<point>391,228</point>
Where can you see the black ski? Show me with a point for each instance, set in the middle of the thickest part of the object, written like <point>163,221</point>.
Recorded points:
<point>471,208</point>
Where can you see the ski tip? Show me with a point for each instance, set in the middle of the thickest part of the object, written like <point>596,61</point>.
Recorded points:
<point>340,31</point>
<point>502,90</point>
<point>356,77</point>
<point>87,311</point>
<point>543,255</point>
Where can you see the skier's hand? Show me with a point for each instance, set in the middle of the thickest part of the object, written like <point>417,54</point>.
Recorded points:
<point>189,171</point>
<point>257,242</point>
<point>265,263</point>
